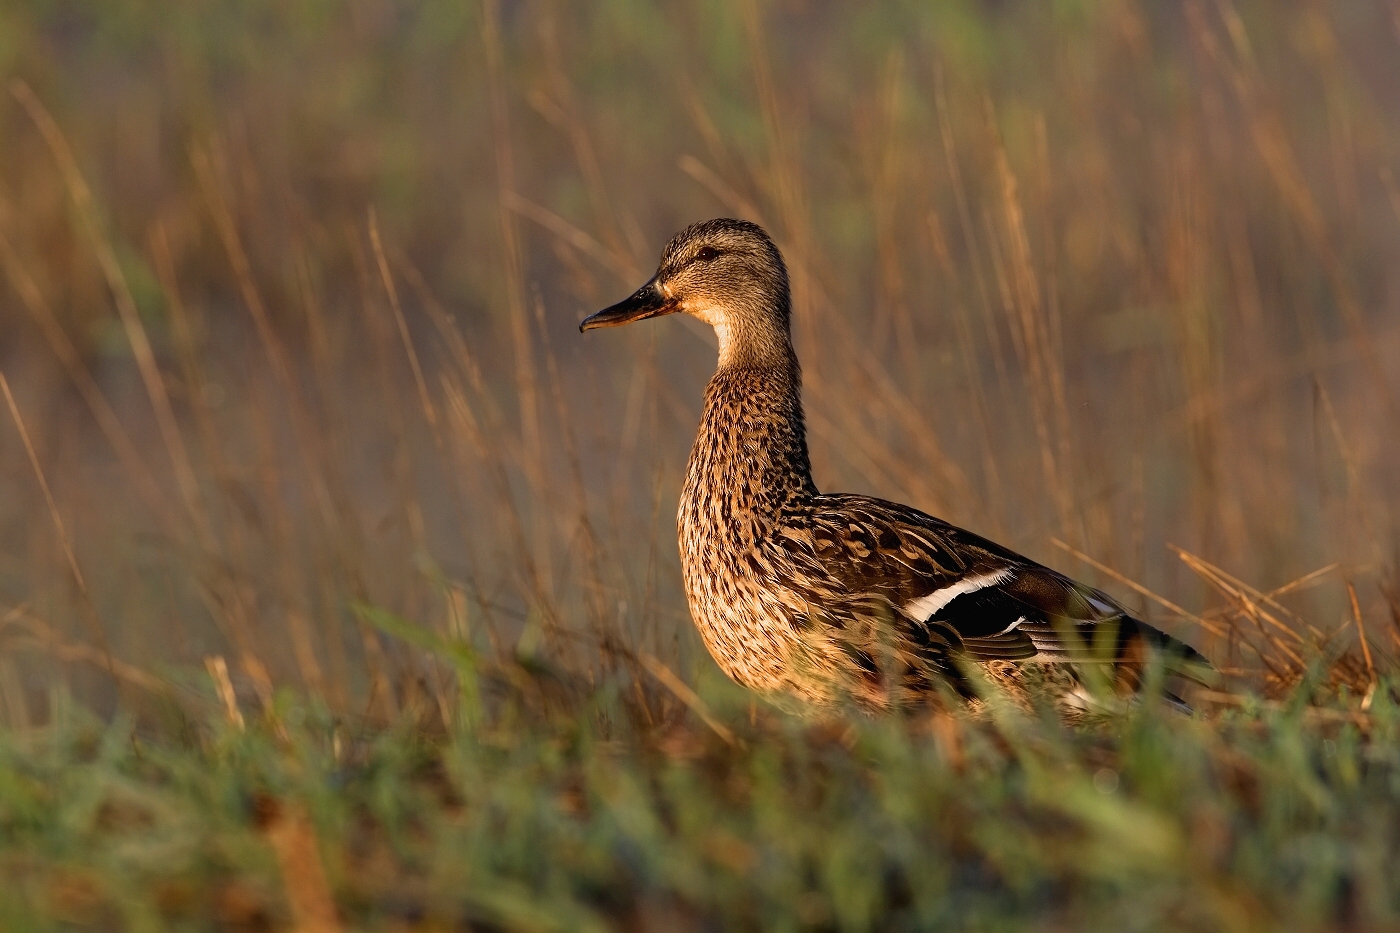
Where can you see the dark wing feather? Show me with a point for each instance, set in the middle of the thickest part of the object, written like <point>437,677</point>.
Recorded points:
<point>958,590</point>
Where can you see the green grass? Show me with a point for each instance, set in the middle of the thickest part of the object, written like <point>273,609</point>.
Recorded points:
<point>1281,818</point>
<point>288,308</point>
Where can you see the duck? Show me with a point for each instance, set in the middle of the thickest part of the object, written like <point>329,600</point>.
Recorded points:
<point>823,596</point>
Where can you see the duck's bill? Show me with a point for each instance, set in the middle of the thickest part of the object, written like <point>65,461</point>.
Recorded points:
<point>647,301</point>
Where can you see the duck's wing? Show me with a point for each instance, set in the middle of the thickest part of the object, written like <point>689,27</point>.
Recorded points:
<point>966,593</point>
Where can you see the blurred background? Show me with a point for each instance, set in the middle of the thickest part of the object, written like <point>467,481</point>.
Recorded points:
<point>289,296</point>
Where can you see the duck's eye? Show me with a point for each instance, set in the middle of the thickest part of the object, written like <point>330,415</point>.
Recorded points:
<point>707,254</point>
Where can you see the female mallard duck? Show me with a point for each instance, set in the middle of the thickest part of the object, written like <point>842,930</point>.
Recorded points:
<point>822,595</point>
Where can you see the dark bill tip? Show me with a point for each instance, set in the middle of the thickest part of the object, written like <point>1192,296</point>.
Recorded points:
<point>647,301</point>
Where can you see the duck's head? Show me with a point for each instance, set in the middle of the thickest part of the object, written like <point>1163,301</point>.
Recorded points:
<point>728,274</point>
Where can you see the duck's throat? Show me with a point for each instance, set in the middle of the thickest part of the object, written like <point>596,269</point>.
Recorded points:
<point>750,341</point>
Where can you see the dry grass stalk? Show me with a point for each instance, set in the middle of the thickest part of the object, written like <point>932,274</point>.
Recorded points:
<point>90,610</point>
<point>1140,589</point>
<point>687,696</point>
<point>513,273</point>
<point>63,539</point>
<point>429,410</point>
<point>625,269</point>
<point>723,192</point>
<point>593,582</point>
<point>78,372</point>
<point>609,214</point>
<point>1271,140</point>
<point>1314,714</point>
<point>466,424</point>
<point>126,305</point>
<point>1303,582</point>
<point>1248,597</point>
<point>287,827</point>
<point>44,637</point>
<point>1365,646</point>
<point>223,686</point>
<point>1251,610</point>
<point>785,176</point>
<point>1031,333</point>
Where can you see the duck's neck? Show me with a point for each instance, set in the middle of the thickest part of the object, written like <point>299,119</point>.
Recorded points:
<point>750,463</point>
<point>753,337</point>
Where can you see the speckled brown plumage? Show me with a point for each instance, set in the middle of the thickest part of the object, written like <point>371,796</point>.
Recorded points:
<point>817,595</point>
